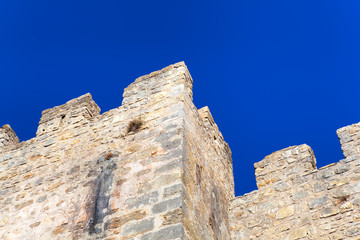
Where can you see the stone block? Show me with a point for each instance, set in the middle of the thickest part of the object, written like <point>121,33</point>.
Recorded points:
<point>167,205</point>
<point>136,228</point>
<point>285,212</point>
<point>168,233</point>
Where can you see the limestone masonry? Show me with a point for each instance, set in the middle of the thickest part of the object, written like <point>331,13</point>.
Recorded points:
<point>157,168</point>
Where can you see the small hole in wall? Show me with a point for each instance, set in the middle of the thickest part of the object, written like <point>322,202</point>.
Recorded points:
<point>62,116</point>
<point>214,137</point>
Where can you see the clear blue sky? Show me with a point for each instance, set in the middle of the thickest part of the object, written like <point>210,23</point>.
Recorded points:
<point>274,73</point>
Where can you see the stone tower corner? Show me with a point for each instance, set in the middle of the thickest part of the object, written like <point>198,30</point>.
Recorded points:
<point>88,175</point>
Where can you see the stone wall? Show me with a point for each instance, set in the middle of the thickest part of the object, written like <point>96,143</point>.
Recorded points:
<point>295,200</point>
<point>157,168</point>
<point>154,168</point>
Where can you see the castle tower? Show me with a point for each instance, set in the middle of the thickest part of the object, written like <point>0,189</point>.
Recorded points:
<point>157,168</point>
<point>153,168</point>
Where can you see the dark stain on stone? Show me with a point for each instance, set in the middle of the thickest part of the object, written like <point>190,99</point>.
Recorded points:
<point>34,224</point>
<point>73,170</point>
<point>212,221</point>
<point>198,174</point>
<point>164,138</point>
<point>89,184</point>
<point>101,197</point>
<point>120,182</point>
<point>91,173</point>
<point>89,214</point>
<point>215,217</point>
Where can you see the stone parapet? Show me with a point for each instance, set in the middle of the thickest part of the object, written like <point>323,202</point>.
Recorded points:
<point>166,83</point>
<point>285,165</point>
<point>159,168</point>
<point>295,200</point>
<point>8,138</point>
<point>133,172</point>
<point>349,137</point>
<point>75,111</point>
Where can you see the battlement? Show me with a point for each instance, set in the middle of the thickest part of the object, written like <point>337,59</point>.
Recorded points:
<point>158,168</point>
<point>295,200</point>
<point>285,165</point>
<point>88,175</point>
<point>75,111</point>
<point>168,82</point>
<point>349,137</point>
<point>8,138</point>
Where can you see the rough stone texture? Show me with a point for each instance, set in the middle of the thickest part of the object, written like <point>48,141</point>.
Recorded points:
<point>8,138</point>
<point>350,139</point>
<point>295,200</point>
<point>74,113</point>
<point>86,176</point>
<point>157,168</point>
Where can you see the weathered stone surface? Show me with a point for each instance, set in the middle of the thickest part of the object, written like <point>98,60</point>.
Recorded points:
<point>173,216</point>
<point>88,175</point>
<point>136,228</point>
<point>167,205</point>
<point>173,232</point>
<point>8,138</point>
<point>318,202</point>
<point>285,212</point>
<point>298,233</point>
<point>295,200</point>
<point>142,200</point>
